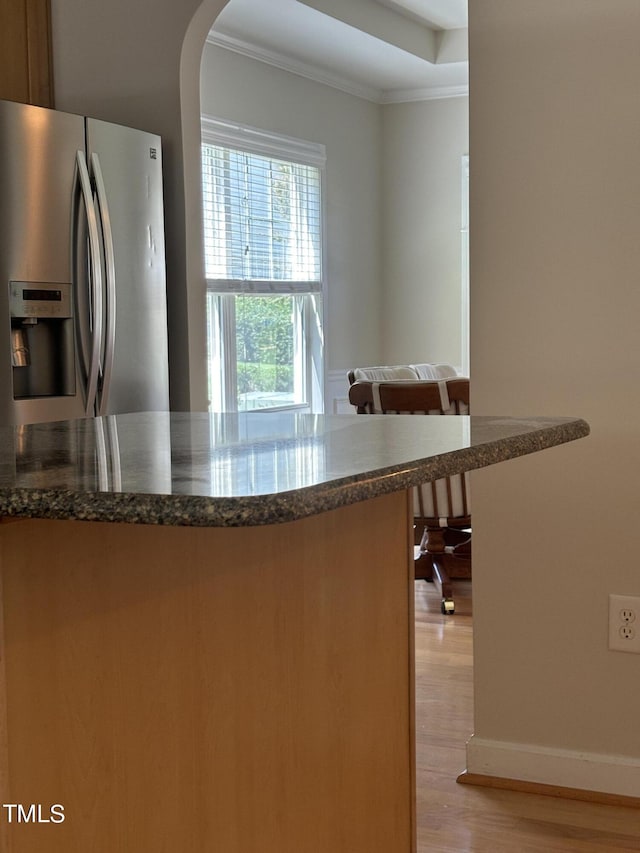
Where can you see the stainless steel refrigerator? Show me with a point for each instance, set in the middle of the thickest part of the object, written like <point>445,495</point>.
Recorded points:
<point>82,268</point>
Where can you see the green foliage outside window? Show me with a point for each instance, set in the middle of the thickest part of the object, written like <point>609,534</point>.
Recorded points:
<point>265,344</point>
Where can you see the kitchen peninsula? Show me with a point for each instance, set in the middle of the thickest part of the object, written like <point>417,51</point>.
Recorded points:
<point>207,627</point>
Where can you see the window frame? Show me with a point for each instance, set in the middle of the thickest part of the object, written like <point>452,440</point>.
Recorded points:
<point>252,140</point>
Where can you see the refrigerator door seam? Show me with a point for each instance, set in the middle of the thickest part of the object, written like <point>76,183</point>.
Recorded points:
<point>95,284</point>
<point>110,282</point>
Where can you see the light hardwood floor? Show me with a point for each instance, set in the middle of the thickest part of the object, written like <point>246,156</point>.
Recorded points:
<point>465,819</point>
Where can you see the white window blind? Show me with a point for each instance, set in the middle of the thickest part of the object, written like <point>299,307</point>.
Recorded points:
<point>261,216</point>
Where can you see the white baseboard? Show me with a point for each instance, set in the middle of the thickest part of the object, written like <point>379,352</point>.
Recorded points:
<point>609,774</point>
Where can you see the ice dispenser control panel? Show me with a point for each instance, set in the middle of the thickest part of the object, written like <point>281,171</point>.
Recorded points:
<point>42,339</point>
<point>40,300</point>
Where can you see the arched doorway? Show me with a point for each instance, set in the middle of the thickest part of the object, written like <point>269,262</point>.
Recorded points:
<point>416,245</point>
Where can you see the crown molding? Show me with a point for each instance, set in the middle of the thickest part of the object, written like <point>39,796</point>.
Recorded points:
<point>399,9</point>
<point>318,75</point>
<point>431,93</point>
<point>294,66</point>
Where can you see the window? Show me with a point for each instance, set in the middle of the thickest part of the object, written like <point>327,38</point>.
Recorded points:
<point>262,201</point>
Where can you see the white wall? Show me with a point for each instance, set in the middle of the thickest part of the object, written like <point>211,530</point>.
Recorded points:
<point>423,144</point>
<point>259,95</point>
<point>555,255</point>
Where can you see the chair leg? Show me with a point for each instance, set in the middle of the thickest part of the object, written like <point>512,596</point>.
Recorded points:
<point>430,565</point>
<point>423,567</point>
<point>443,584</point>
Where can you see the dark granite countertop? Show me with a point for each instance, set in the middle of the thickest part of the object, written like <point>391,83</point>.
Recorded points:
<point>250,469</point>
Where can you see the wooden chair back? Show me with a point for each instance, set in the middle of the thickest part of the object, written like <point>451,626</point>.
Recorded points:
<point>441,509</point>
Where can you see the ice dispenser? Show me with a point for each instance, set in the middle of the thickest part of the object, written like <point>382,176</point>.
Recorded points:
<point>42,341</point>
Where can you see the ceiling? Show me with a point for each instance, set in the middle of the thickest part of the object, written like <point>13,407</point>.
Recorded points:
<point>383,50</point>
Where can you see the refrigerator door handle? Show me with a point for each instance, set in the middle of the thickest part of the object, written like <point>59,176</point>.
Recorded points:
<point>110,276</point>
<point>95,284</point>
<point>107,454</point>
<point>101,456</point>
<point>114,453</point>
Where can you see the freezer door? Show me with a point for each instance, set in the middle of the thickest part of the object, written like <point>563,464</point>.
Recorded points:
<point>126,166</point>
<point>38,374</point>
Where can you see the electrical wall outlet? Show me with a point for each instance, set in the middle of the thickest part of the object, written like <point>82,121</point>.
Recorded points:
<point>624,623</point>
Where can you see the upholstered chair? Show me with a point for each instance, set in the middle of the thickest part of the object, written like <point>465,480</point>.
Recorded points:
<point>442,509</point>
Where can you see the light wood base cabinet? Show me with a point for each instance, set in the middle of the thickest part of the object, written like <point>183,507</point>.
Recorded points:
<point>188,690</point>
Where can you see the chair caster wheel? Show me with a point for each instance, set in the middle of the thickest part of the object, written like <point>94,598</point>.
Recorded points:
<point>447,607</point>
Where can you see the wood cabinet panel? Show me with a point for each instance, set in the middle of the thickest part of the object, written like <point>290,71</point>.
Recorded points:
<point>25,52</point>
<point>210,689</point>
